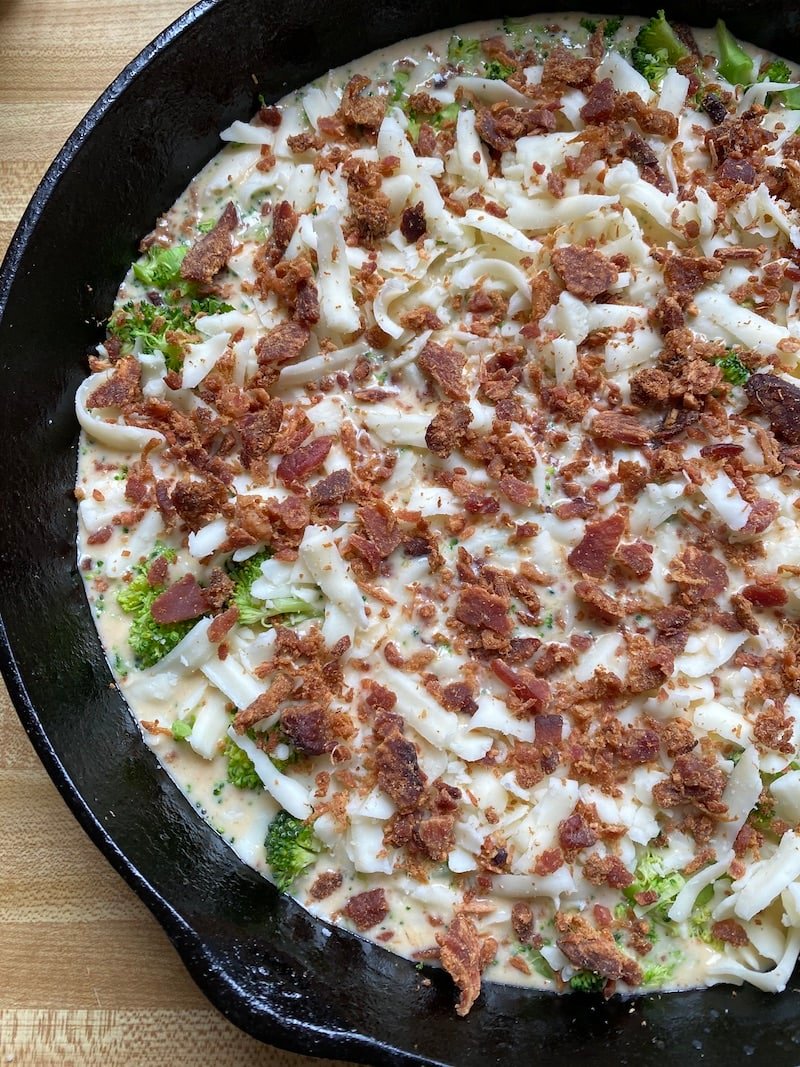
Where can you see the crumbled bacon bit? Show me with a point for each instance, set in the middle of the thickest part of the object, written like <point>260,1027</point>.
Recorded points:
<point>765,594</point>
<point>730,931</point>
<point>359,110</point>
<point>601,604</point>
<point>699,575</point>
<point>444,366</point>
<point>121,389</point>
<point>593,552</point>
<point>413,224</point>
<point>325,884</point>
<point>607,870</point>
<point>594,950</point>
<point>483,610</point>
<point>463,954</point>
<point>398,770</point>
<point>586,273</point>
<point>297,465</point>
<point>619,428</point>
<point>212,251</point>
<point>636,558</point>
<point>694,781</point>
<point>366,910</point>
<point>223,624</point>
<point>599,106</point>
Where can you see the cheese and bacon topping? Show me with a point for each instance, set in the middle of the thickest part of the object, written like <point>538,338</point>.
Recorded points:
<point>438,502</point>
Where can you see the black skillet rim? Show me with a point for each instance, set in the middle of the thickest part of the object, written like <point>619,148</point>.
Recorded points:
<point>265,1022</point>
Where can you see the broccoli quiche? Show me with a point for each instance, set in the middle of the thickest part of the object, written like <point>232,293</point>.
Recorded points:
<point>438,502</point>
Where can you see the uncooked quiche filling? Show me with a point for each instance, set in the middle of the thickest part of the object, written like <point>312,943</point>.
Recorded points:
<point>438,502</point>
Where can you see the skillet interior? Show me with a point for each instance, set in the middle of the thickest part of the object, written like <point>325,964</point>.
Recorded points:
<point>265,963</point>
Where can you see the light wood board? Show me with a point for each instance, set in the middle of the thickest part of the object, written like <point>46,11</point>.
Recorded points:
<point>87,977</point>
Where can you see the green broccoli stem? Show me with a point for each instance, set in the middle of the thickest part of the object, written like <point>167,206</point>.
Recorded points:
<point>734,64</point>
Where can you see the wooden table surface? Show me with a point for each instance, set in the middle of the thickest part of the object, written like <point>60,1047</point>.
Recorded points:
<point>86,975</point>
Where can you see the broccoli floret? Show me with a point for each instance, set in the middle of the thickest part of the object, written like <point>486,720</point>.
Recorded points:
<point>700,921</point>
<point>587,982</point>
<point>449,113</point>
<point>497,71</point>
<point>656,49</point>
<point>734,64</point>
<point>252,612</point>
<point>733,369</point>
<point>162,267</point>
<point>241,770</point>
<point>243,575</point>
<point>142,321</point>
<point>650,877</point>
<point>182,729</point>
<point>659,973</point>
<point>291,846</point>
<point>777,71</point>
<point>149,640</point>
<point>149,324</point>
<point>399,83</point>
<point>610,27</point>
<point>462,49</point>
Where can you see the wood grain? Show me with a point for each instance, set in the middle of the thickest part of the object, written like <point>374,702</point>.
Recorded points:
<point>86,975</point>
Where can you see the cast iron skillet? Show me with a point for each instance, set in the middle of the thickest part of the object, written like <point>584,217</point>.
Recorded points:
<point>273,970</point>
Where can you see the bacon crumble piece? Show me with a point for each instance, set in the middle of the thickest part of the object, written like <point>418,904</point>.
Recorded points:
<point>635,558</point>
<point>198,502</point>
<point>599,106</point>
<point>599,602</point>
<point>649,666</point>
<point>222,624</point>
<point>315,730</point>
<point>398,771</point>
<point>594,950</point>
<point>182,601</point>
<point>297,465</point>
<point>501,126</point>
<point>731,932</point>
<point>413,224</point>
<point>212,251</point>
<point>532,692</point>
<point>765,594</point>
<point>444,366</point>
<point>358,110</point>
<point>464,954</point>
<point>325,884</point>
<point>620,429</point>
<point>258,431</point>
<point>685,275</point>
<point>586,274</point>
<point>575,834</point>
<point>779,400</point>
<point>698,575</point>
<point>607,870</point>
<point>366,910</point>
<point>593,552</point>
<point>281,345</point>
<point>122,389</point>
<point>481,609</point>
<point>693,781</point>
